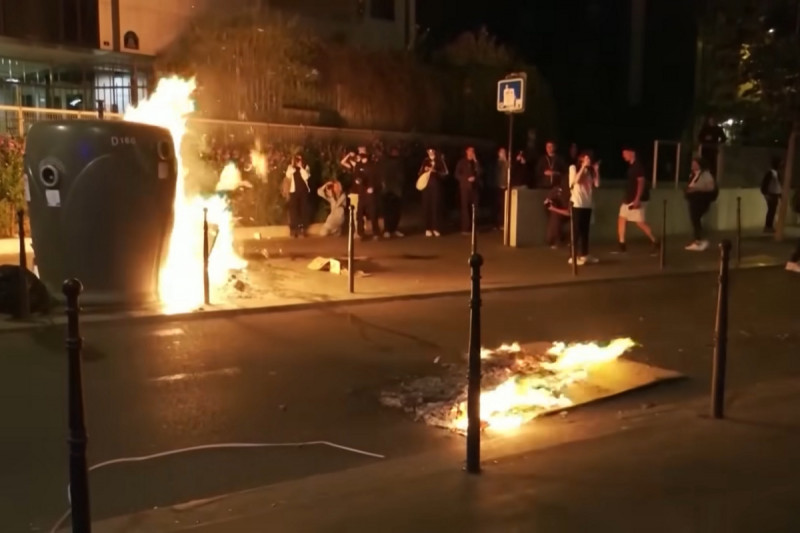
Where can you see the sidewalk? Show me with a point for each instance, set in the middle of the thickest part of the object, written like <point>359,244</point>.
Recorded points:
<point>278,276</point>
<point>657,470</point>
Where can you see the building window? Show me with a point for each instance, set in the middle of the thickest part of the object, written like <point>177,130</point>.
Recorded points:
<point>381,9</point>
<point>131,40</point>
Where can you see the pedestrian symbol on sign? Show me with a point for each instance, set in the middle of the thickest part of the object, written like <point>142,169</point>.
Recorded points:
<point>511,95</point>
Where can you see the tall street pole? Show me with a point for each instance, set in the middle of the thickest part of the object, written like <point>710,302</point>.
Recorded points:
<point>791,151</point>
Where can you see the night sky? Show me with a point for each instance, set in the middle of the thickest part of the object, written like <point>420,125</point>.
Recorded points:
<point>582,47</point>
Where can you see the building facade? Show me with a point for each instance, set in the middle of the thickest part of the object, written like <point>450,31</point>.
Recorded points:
<point>72,54</point>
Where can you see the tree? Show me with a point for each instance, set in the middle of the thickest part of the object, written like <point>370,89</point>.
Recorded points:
<point>477,60</point>
<point>249,65</point>
<point>765,36</point>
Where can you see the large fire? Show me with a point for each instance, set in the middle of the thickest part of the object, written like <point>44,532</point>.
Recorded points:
<point>518,384</point>
<point>180,284</point>
<point>533,386</point>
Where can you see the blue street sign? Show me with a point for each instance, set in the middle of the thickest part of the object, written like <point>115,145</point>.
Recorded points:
<point>511,95</point>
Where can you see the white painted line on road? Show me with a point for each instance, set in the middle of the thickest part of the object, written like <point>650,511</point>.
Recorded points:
<point>168,332</point>
<point>233,371</point>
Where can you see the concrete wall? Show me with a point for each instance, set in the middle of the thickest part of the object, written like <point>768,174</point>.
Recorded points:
<point>528,216</point>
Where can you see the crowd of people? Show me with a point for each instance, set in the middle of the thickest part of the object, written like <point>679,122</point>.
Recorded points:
<point>375,180</point>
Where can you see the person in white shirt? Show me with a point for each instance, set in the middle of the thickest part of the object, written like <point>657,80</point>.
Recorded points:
<point>700,194</point>
<point>297,189</point>
<point>583,178</point>
<point>772,188</point>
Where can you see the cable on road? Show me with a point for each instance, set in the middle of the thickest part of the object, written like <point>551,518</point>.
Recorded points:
<point>223,446</point>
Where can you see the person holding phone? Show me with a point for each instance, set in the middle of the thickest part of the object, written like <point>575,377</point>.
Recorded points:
<point>332,193</point>
<point>583,178</point>
<point>297,188</point>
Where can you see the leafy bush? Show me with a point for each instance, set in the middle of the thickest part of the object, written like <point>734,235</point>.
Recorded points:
<point>12,192</point>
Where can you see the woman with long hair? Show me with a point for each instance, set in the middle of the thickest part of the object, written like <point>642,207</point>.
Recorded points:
<point>700,194</point>
<point>583,178</point>
<point>332,193</point>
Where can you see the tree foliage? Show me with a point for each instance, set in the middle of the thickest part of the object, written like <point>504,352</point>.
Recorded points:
<point>752,60</point>
<point>11,185</point>
<point>477,60</point>
<point>265,66</point>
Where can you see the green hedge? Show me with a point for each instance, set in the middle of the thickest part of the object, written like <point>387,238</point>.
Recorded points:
<point>12,192</point>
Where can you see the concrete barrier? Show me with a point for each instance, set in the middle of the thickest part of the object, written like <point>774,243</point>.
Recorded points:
<point>529,218</point>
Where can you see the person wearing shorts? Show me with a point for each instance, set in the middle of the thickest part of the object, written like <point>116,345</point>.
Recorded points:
<point>634,204</point>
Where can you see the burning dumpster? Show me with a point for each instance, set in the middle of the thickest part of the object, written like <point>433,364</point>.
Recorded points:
<point>100,199</point>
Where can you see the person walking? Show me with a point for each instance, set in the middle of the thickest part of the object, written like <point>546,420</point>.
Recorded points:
<point>634,203</point>
<point>772,188</point>
<point>468,174</point>
<point>583,178</point>
<point>297,189</point>
<point>431,173</point>
<point>700,194</point>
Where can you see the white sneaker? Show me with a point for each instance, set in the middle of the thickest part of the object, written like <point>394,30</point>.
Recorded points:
<point>591,260</point>
<point>694,247</point>
<point>437,234</point>
<point>581,261</point>
<point>793,267</point>
<point>386,234</point>
<point>702,246</point>
<point>429,233</point>
<point>398,234</point>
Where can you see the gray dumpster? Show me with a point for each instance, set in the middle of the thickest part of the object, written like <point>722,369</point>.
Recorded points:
<point>100,202</point>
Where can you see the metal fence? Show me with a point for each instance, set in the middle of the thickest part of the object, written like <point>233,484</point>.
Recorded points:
<point>16,120</point>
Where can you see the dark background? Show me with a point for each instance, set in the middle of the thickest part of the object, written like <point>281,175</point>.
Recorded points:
<point>582,47</point>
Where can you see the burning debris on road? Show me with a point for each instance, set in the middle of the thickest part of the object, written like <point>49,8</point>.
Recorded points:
<point>519,384</point>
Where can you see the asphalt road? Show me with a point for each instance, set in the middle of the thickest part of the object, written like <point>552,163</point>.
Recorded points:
<point>315,375</point>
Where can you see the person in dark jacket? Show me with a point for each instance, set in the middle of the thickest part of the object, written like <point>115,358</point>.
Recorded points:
<point>367,187</point>
<point>551,170</point>
<point>771,188</point>
<point>392,174</point>
<point>711,136</point>
<point>520,171</point>
<point>431,173</point>
<point>557,206</point>
<point>468,174</point>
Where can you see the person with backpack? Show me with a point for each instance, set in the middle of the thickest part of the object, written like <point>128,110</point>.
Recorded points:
<point>700,194</point>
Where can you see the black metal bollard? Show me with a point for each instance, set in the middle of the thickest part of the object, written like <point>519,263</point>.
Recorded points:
<point>738,231</point>
<point>206,253</point>
<point>351,249</point>
<point>24,296</point>
<point>662,250</point>
<point>718,373</point>
<point>78,470</point>
<point>474,375</point>
<point>572,251</point>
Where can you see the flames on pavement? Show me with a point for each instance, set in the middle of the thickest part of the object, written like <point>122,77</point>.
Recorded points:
<point>181,276</point>
<point>517,385</point>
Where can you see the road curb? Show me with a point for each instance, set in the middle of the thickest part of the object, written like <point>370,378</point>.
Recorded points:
<point>358,301</point>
